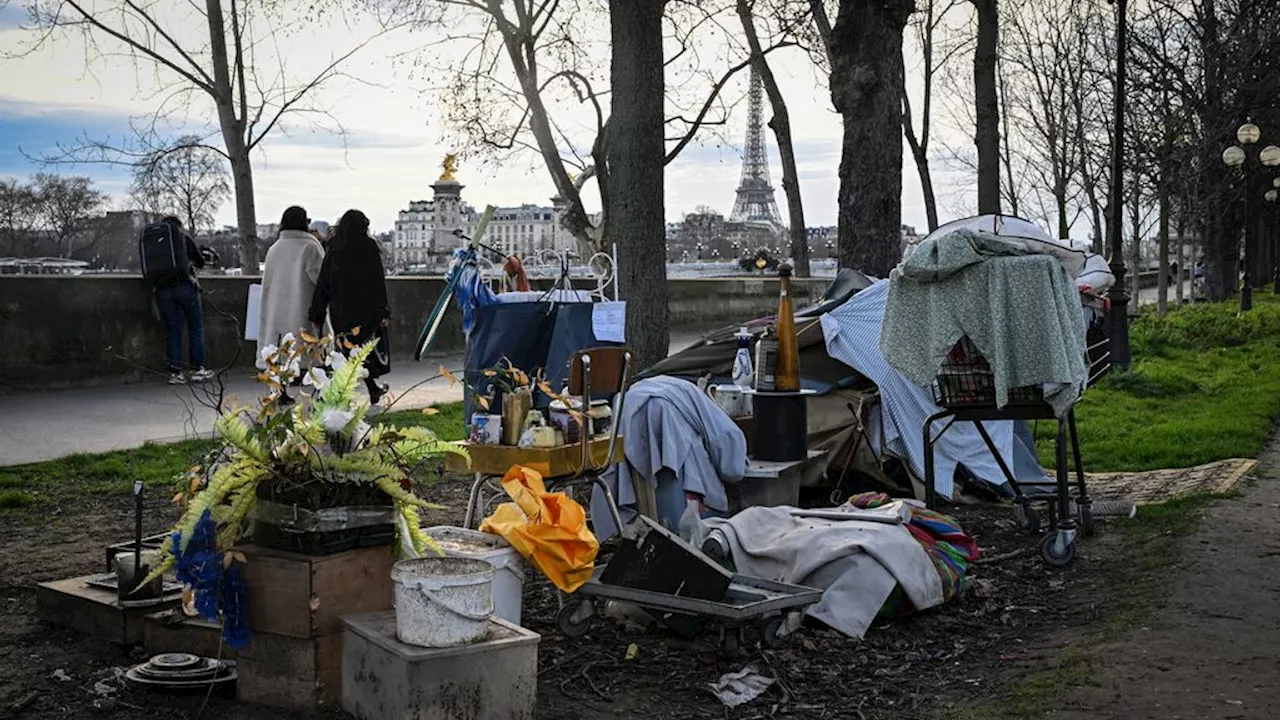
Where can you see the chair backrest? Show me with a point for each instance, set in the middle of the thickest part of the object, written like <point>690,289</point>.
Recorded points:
<point>607,371</point>
<point>600,371</point>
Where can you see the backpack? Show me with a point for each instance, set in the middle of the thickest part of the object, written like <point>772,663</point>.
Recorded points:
<point>162,251</point>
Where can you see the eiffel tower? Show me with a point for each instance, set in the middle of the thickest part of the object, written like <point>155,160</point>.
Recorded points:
<point>755,201</point>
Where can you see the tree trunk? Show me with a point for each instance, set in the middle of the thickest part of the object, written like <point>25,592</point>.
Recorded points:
<point>233,137</point>
<point>919,145</point>
<point>780,123</point>
<point>987,106</point>
<point>1060,201</point>
<point>866,89</point>
<point>1183,265</point>
<point>1135,247</point>
<point>1162,283</point>
<point>636,155</point>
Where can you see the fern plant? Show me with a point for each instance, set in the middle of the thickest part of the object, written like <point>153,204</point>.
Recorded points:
<point>327,440</point>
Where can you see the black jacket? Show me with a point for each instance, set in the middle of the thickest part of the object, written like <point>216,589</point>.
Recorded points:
<point>352,287</point>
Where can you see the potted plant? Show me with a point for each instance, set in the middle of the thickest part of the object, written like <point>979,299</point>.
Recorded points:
<point>321,451</point>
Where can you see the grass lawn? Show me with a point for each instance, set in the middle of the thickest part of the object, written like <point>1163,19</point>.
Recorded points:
<point>157,465</point>
<point>1204,386</point>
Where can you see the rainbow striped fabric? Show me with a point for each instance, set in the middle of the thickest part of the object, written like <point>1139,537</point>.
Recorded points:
<point>947,545</point>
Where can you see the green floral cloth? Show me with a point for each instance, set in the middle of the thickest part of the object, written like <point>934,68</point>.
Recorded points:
<point>1020,309</point>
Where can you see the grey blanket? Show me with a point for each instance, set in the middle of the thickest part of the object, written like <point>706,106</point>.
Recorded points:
<point>668,424</point>
<point>1021,309</point>
<point>856,563</point>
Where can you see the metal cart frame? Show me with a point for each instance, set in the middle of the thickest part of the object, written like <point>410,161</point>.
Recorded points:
<point>1058,546</point>
<point>775,599</point>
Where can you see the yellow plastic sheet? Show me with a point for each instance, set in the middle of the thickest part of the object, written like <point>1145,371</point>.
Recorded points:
<point>548,529</point>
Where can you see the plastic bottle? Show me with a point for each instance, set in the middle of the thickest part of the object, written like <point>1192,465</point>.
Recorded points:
<point>742,371</point>
<point>766,361</point>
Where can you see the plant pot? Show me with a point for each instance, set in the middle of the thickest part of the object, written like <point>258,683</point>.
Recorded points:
<point>515,408</point>
<point>322,518</point>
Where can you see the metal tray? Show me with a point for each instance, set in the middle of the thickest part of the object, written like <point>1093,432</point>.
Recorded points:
<point>747,598</point>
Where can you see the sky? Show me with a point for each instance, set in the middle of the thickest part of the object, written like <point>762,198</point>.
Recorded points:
<point>395,134</point>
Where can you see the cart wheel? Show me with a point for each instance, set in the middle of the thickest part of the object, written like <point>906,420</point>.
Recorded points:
<point>1086,518</point>
<point>574,617</point>
<point>1056,553</point>
<point>1027,518</point>
<point>769,632</point>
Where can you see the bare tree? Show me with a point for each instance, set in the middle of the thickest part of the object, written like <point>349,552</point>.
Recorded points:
<point>864,48</point>
<point>223,71</point>
<point>19,218</point>
<point>986,101</point>
<point>927,24</point>
<point>186,180</point>
<point>529,68</point>
<point>65,205</point>
<point>636,158</point>
<point>1046,50</point>
<point>780,123</point>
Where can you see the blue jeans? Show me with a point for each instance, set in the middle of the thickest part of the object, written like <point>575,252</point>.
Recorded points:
<point>179,305</point>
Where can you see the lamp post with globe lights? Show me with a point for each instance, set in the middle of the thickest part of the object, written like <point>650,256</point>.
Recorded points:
<point>1236,156</point>
<point>1273,197</point>
<point>1118,314</point>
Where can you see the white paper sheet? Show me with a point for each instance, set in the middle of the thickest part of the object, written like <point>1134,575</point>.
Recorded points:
<point>609,321</point>
<point>253,313</point>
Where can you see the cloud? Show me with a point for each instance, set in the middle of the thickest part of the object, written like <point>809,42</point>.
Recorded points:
<point>32,131</point>
<point>12,15</point>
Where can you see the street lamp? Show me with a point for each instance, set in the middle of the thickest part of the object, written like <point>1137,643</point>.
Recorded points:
<point>1118,315</point>
<point>1236,157</point>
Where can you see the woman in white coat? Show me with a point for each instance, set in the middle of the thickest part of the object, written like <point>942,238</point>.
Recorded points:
<point>288,282</point>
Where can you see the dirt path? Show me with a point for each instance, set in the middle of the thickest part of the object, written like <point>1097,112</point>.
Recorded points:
<point>1211,650</point>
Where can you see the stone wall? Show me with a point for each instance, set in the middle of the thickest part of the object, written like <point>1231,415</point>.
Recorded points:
<point>58,331</point>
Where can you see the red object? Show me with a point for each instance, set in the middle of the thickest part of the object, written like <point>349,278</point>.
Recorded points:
<point>514,270</point>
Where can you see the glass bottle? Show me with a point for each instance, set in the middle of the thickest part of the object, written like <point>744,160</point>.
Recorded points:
<point>787,372</point>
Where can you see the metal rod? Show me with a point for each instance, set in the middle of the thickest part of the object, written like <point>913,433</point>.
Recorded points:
<point>1118,315</point>
<point>137,538</point>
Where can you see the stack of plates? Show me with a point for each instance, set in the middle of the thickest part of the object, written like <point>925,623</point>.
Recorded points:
<point>180,671</point>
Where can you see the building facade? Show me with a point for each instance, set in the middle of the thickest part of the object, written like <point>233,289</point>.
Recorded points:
<point>424,232</point>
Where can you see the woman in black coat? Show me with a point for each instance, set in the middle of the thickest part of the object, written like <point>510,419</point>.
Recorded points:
<point>352,287</point>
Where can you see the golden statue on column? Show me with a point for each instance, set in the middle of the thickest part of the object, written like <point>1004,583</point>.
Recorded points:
<point>450,166</point>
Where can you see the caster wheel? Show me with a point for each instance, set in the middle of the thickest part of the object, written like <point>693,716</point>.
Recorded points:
<point>1055,552</point>
<point>769,632</point>
<point>1086,519</point>
<point>1027,518</point>
<point>574,618</point>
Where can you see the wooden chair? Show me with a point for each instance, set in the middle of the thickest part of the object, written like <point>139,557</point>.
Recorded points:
<point>595,372</point>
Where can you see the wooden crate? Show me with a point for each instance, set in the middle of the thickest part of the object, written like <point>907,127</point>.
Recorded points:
<point>171,631</point>
<point>72,604</point>
<point>289,672</point>
<point>304,596</point>
<point>558,461</point>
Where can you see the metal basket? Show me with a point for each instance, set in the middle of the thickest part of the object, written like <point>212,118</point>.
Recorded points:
<point>966,380</point>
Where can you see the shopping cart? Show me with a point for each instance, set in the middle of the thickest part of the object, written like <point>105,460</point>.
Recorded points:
<point>965,389</point>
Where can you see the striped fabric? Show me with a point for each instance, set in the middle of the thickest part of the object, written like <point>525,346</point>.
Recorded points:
<point>946,543</point>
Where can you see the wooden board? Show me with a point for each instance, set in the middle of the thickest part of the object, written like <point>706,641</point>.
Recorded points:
<point>287,672</point>
<point>72,604</point>
<point>558,461</point>
<point>304,596</point>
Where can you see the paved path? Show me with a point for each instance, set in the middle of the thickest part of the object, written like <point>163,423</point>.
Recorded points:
<point>1210,650</point>
<point>37,426</point>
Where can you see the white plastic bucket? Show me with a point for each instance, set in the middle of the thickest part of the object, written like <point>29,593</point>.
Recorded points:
<point>508,583</point>
<point>442,601</point>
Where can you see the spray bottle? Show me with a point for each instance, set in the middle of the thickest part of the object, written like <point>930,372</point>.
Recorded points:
<point>742,371</point>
